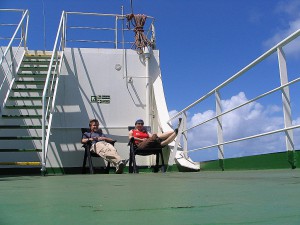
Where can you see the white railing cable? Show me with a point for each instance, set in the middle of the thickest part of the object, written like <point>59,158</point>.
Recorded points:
<point>245,103</point>
<point>246,138</point>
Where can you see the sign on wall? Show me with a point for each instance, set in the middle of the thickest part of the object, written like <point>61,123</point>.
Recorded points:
<point>102,99</point>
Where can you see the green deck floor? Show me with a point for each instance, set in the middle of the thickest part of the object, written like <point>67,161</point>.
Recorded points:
<point>230,197</point>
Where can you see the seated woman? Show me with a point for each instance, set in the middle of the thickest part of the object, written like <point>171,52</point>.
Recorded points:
<point>144,139</point>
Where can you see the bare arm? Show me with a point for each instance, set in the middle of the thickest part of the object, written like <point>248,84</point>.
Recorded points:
<point>85,140</point>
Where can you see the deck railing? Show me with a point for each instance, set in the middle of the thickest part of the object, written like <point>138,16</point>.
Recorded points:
<point>9,58</point>
<point>113,34</point>
<point>287,110</point>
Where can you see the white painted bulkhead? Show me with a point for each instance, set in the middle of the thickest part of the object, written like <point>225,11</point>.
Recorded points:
<point>97,72</point>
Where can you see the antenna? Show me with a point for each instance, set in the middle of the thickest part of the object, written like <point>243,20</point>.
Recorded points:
<point>44,25</point>
<point>131,6</point>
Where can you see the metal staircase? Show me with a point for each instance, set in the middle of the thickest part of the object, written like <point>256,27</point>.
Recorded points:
<point>21,123</point>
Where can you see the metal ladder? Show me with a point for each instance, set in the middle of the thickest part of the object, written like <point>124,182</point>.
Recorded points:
<point>21,122</point>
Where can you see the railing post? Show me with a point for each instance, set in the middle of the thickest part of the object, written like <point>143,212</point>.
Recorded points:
<point>116,33</point>
<point>13,66</point>
<point>287,112</point>
<point>64,31</point>
<point>219,130</point>
<point>153,38</point>
<point>24,31</point>
<point>185,138</point>
<point>177,140</point>
<point>147,55</point>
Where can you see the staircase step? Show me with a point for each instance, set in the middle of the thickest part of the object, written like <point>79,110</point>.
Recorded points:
<point>23,107</point>
<point>21,150</point>
<point>38,56</point>
<point>34,75</point>
<point>27,89</point>
<point>16,98</point>
<point>30,82</point>
<point>36,62</point>
<point>22,116</point>
<point>34,68</point>
<point>20,163</point>
<point>20,127</point>
<point>21,138</point>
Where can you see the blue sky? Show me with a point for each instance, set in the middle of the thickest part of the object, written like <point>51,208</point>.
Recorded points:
<point>202,43</point>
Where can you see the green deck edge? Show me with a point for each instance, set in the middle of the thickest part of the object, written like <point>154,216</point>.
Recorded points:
<point>78,170</point>
<point>72,170</point>
<point>280,160</point>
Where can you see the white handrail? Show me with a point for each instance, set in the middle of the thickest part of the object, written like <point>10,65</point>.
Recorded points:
<point>14,35</point>
<point>288,129</point>
<point>47,105</point>
<point>11,67</point>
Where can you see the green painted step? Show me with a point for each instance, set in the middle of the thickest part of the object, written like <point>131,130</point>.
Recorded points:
<point>20,127</point>
<point>21,150</point>
<point>30,82</point>
<point>25,98</point>
<point>20,163</point>
<point>21,138</point>
<point>37,75</point>
<point>27,89</point>
<point>34,68</point>
<point>35,62</point>
<point>23,107</point>
<point>37,56</point>
<point>22,116</point>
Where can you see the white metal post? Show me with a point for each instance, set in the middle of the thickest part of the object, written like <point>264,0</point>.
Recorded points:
<point>177,140</point>
<point>64,31</point>
<point>13,66</point>
<point>219,129</point>
<point>287,112</point>
<point>185,138</point>
<point>116,32</point>
<point>148,86</point>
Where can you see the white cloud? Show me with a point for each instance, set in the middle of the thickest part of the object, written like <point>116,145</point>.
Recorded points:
<point>251,119</point>
<point>291,11</point>
<point>172,113</point>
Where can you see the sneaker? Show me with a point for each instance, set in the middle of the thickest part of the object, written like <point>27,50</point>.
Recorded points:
<point>120,167</point>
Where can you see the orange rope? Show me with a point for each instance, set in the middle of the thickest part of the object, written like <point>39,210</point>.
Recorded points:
<point>140,39</point>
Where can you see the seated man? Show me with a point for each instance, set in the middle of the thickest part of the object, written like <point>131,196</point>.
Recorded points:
<point>144,139</point>
<point>101,146</point>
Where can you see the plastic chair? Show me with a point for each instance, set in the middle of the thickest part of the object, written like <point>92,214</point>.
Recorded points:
<point>134,150</point>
